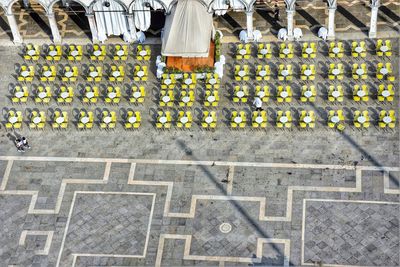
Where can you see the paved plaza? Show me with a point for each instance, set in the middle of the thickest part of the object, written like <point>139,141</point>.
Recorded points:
<point>273,197</point>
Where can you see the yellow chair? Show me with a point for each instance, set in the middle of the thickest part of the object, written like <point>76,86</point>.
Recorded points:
<point>53,52</point>
<point>238,119</point>
<point>360,93</point>
<point>117,73</point>
<point>186,98</point>
<point>26,73</point>
<point>284,120</point>
<point>211,98</point>
<point>264,51</point>
<point>120,52</point>
<point>108,119</point>
<point>20,94</point>
<point>85,120</point>
<point>137,95</point>
<point>335,93</point>
<point>65,94</point>
<point>209,120</point>
<point>43,94</point>
<point>133,120</point>
<point>307,119</point>
<point>90,94</point>
<point>259,119</point>
<point>37,120</point>
<point>31,52</point>
<point>263,93</point>
<point>387,119</point>
<point>98,52</point>
<point>336,119</point>
<point>184,119</point>
<point>241,94</point>
<point>385,94</point>
<point>308,93</point>
<point>94,73</point>
<point>14,120</point>
<point>60,120</point>
<point>74,52</point>
<point>361,119</point>
<point>284,94</point>
<point>167,98</point>
<point>164,120</point>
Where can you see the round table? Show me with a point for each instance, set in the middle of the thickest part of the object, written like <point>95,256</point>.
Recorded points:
<point>112,95</point>
<point>212,81</point>
<point>69,74</point>
<point>120,53</point>
<point>284,94</point>
<point>242,52</point>
<point>237,119</point>
<point>143,53</point>
<point>188,81</point>
<point>116,73</point>
<point>261,94</point>
<point>25,73</point>
<point>308,94</point>
<point>85,120</point>
<point>132,119</point>
<point>47,73</point>
<point>36,120</point>
<point>185,99</point>
<point>166,99</point>
<point>335,119</point>
<point>307,72</point>
<point>64,94</point>
<point>358,49</point>
<point>140,73</point>
<point>361,119</point>
<point>283,119</point>
<point>31,52</point>
<point>286,51</point>
<point>42,95</point>
<point>336,50</point>
<point>384,48</point>
<point>13,120</point>
<point>60,120</point>
<point>309,50</point>
<point>184,119</point>
<point>307,119</point>
<point>263,51</point>
<point>167,81</point>
<point>384,71</point>
<point>137,94</point>
<point>387,119</point>
<point>259,119</point>
<point>90,94</point>
<point>361,93</point>
<point>335,71</point>
<point>53,53</point>
<point>242,73</point>
<point>240,94</point>
<point>335,94</point>
<point>211,98</point>
<point>385,93</point>
<point>74,53</point>
<point>360,71</point>
<point>97,53</point>
<point>285,72</point>
<point>209,119</point>
<point>163,120</point>
<point>93,74</point>
<point>262,73</point>
<point>19,94</point>
<point>107,119</point>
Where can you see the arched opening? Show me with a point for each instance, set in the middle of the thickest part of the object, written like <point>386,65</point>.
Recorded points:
<point>157,23</point>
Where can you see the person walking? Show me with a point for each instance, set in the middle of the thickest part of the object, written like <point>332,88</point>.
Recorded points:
<point>257,103</point>
<point>20,145</point>
<point>25,143</point>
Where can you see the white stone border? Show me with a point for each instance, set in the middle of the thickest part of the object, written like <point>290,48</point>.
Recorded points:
<point>49,238</point>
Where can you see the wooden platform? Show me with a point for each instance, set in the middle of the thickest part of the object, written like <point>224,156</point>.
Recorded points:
<point>189,64</point>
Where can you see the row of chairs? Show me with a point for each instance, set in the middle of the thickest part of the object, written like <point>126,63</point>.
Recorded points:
<point>75,52</point>
<point>189,81</point>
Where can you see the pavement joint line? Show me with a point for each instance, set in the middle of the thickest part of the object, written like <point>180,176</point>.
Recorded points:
<point>386,185</point>
<point>332,200</point>
<point>76,255</point>
<point>230,180</point>
<point>49,238</point>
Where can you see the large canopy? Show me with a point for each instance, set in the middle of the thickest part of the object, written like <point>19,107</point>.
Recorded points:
<point>187,31</point>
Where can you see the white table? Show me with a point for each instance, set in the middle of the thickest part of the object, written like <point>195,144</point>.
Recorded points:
<point>308,94</point>
<point>242,52</point>
<point>358,49</point>
<point>97,53</point>
<point>384,48</point>
<point>42,95</point>
<point>166,99</point>
<point>74,53</point>
<point>384,71</point>
<point>286,51</point>
<point>90,94</point>
<point>307,119</point>
<point>120,53</point>
<point>336,50</point>
<point>112,95</point>
<point>167,81</point>
<point>361,119</point>
<point>307,72</point>
<point>283,119</point>
<point>137,94</point>
<point>263,51</point>
<point>69,74</point>
<point>185,99</point>
<point>284,94</point>
<point>13,120</point>
<point>60,120</point>
<point>385,93</point>
<point>47,73</point>
<point>211,98</point>
<point>238,119</point>
<point>240,94</point>
<point>261,94</point>
<point>143,53</point>
<point>64,94</point>
<point>184,119</point>
<point>387,119</point>
<point>212,81</point>
<point>262,73</point>
<point>140,73</point>
<point>360,93</point>
<point>335,119</point>
<point>116,73</point>
<point>163,119</point>
<point>31,52</point>
<point>93,74</point>
<point>25,73</point>
<point>335,94</point>
<point>36,120</point>
<point>85,120</point>
<point>259,119</point>
<point>241,73</point>
<point>132,119</point>
<point>188,81</point>
<point>360,71</point>
<point>309,50</point>
<point>285,73</point>
<point>209,119</point>
<point>107,119</point>
<point>335,71</point>
<point>53,53</point>
<point>19,94</point>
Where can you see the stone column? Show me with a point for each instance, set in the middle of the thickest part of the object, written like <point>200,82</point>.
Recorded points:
<point>331,22</point>
<point>374,17</point>
<point>93,27</point>
<point>54,29</point>
<point>290,15</point>
<point>249,24</point>
<point>14,29</point>
<point>132,27</point>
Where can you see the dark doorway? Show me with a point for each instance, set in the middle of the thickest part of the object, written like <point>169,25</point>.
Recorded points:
<point>157,23</point>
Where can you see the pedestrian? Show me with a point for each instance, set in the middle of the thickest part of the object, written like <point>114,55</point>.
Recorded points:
<point>257,103</point>
<point>25,143</point>
<point>20,145</point>
<point>276,12</point>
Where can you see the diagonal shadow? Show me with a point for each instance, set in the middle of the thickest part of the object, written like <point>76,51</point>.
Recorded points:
<point>393,16</point>
<point>353,19</point>
<point>270,19</point>
<point>42,24</point>
<point>4,26</point>
<point>235,26</point>
<point>313,22</point>
<point>360,149</point>
<point>74,13</point>
<point>235,203</point>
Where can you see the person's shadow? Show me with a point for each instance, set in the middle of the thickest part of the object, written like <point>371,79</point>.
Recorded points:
<point>14,137</point>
